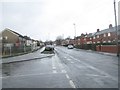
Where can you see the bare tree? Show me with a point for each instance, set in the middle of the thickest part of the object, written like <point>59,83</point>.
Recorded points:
<point>59,40</point>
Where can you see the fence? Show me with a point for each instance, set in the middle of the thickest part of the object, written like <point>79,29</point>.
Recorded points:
<point>86,46</point>
<point>98,47</point>
<point>108,48</point>
<point>9,51</point>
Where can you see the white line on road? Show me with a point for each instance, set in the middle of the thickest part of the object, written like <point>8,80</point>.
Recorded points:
<point>68,59</point>
<point>54,71</point>
<point>71,62</point>
<point>65,57</point>
<point>53,67</point>
<point>67,76</point>
<point>72,84</point>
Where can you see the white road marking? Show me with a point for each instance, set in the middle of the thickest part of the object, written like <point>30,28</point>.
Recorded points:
<point>72,84</point>
<point>94,75</point>
<point>53,67</point>
<point>98,70</point>
<point>71,62</point>
<point>54,71</point>
<point>65,57</point>
<point>68,59</point>
<point>64,71</point>
<point>67,76</point>
<point>1,77</point>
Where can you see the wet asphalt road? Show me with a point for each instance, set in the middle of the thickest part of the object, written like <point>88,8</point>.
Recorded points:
<point>68,68</point>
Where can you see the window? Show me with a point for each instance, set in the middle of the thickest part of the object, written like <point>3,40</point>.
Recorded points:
<point>109,41</point>
<point>6,37</point>
<point>98,41</point>
<point>104,41</point>
<point>94,37</point>
<point>109,34</point>
<point>1,38</point>
<point>104,35</point>
<point>97,36</point>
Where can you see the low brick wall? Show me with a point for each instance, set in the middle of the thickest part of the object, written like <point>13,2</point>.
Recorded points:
<point>108,48</point>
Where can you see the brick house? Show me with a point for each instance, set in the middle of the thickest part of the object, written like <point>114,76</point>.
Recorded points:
<point>105,40</point>
<point>105,36</point>
<point>12,42</point>
<point>101,40</point>
<point>9,36</point>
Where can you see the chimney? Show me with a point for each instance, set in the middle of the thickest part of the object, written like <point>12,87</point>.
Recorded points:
<point>110,26</point>
<point>98,30</point>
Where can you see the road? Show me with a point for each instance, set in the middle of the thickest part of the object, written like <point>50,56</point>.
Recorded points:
<point>67,68</point>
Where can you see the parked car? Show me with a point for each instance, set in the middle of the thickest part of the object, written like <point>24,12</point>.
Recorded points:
<point>49,47</point>
<point>70,47</point>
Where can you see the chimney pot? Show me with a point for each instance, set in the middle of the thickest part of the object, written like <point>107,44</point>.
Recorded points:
<point>98,30</point>
<point>110,26</point>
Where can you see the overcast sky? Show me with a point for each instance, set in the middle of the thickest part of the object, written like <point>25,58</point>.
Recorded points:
<point>47,19</point>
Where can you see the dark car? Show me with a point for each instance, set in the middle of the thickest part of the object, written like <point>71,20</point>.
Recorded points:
<point>49,48</point>
<point>70,47</point>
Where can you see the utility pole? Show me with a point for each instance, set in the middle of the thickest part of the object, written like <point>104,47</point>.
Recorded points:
<point>75,33</point>
<point>116,28</point>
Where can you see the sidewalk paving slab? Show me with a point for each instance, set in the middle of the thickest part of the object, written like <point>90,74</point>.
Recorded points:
<point>26,57</point>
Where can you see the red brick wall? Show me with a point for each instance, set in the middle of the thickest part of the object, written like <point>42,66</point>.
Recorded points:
<point>107,48</point>
<point>98,48</point>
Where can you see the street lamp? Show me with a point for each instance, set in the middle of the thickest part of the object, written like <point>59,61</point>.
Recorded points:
<point>75,33</point>
<point>74,28</point>
<point>116,28</point>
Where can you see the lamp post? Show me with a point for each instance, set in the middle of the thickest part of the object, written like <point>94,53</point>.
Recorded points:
<point>75,33</point>
<point>116,27</point>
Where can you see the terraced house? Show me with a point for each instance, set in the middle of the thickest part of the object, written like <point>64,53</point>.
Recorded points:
<point>101,40</point>
<point>13,42</point>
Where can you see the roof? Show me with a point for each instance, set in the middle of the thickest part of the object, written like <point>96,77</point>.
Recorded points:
<point>27,38</point>
<point>15,33</point>
<point>90,35</point>
<point>113,29</point>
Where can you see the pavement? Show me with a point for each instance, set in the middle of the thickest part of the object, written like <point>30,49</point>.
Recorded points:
<point>26,57</point>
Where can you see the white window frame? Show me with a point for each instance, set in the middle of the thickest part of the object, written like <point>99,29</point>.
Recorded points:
<point>104,41</point>
<point>105,35</point>
<point>98,41</point>
<point>109,34</point>
<point>109,41</point>
<point>98,36</point>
